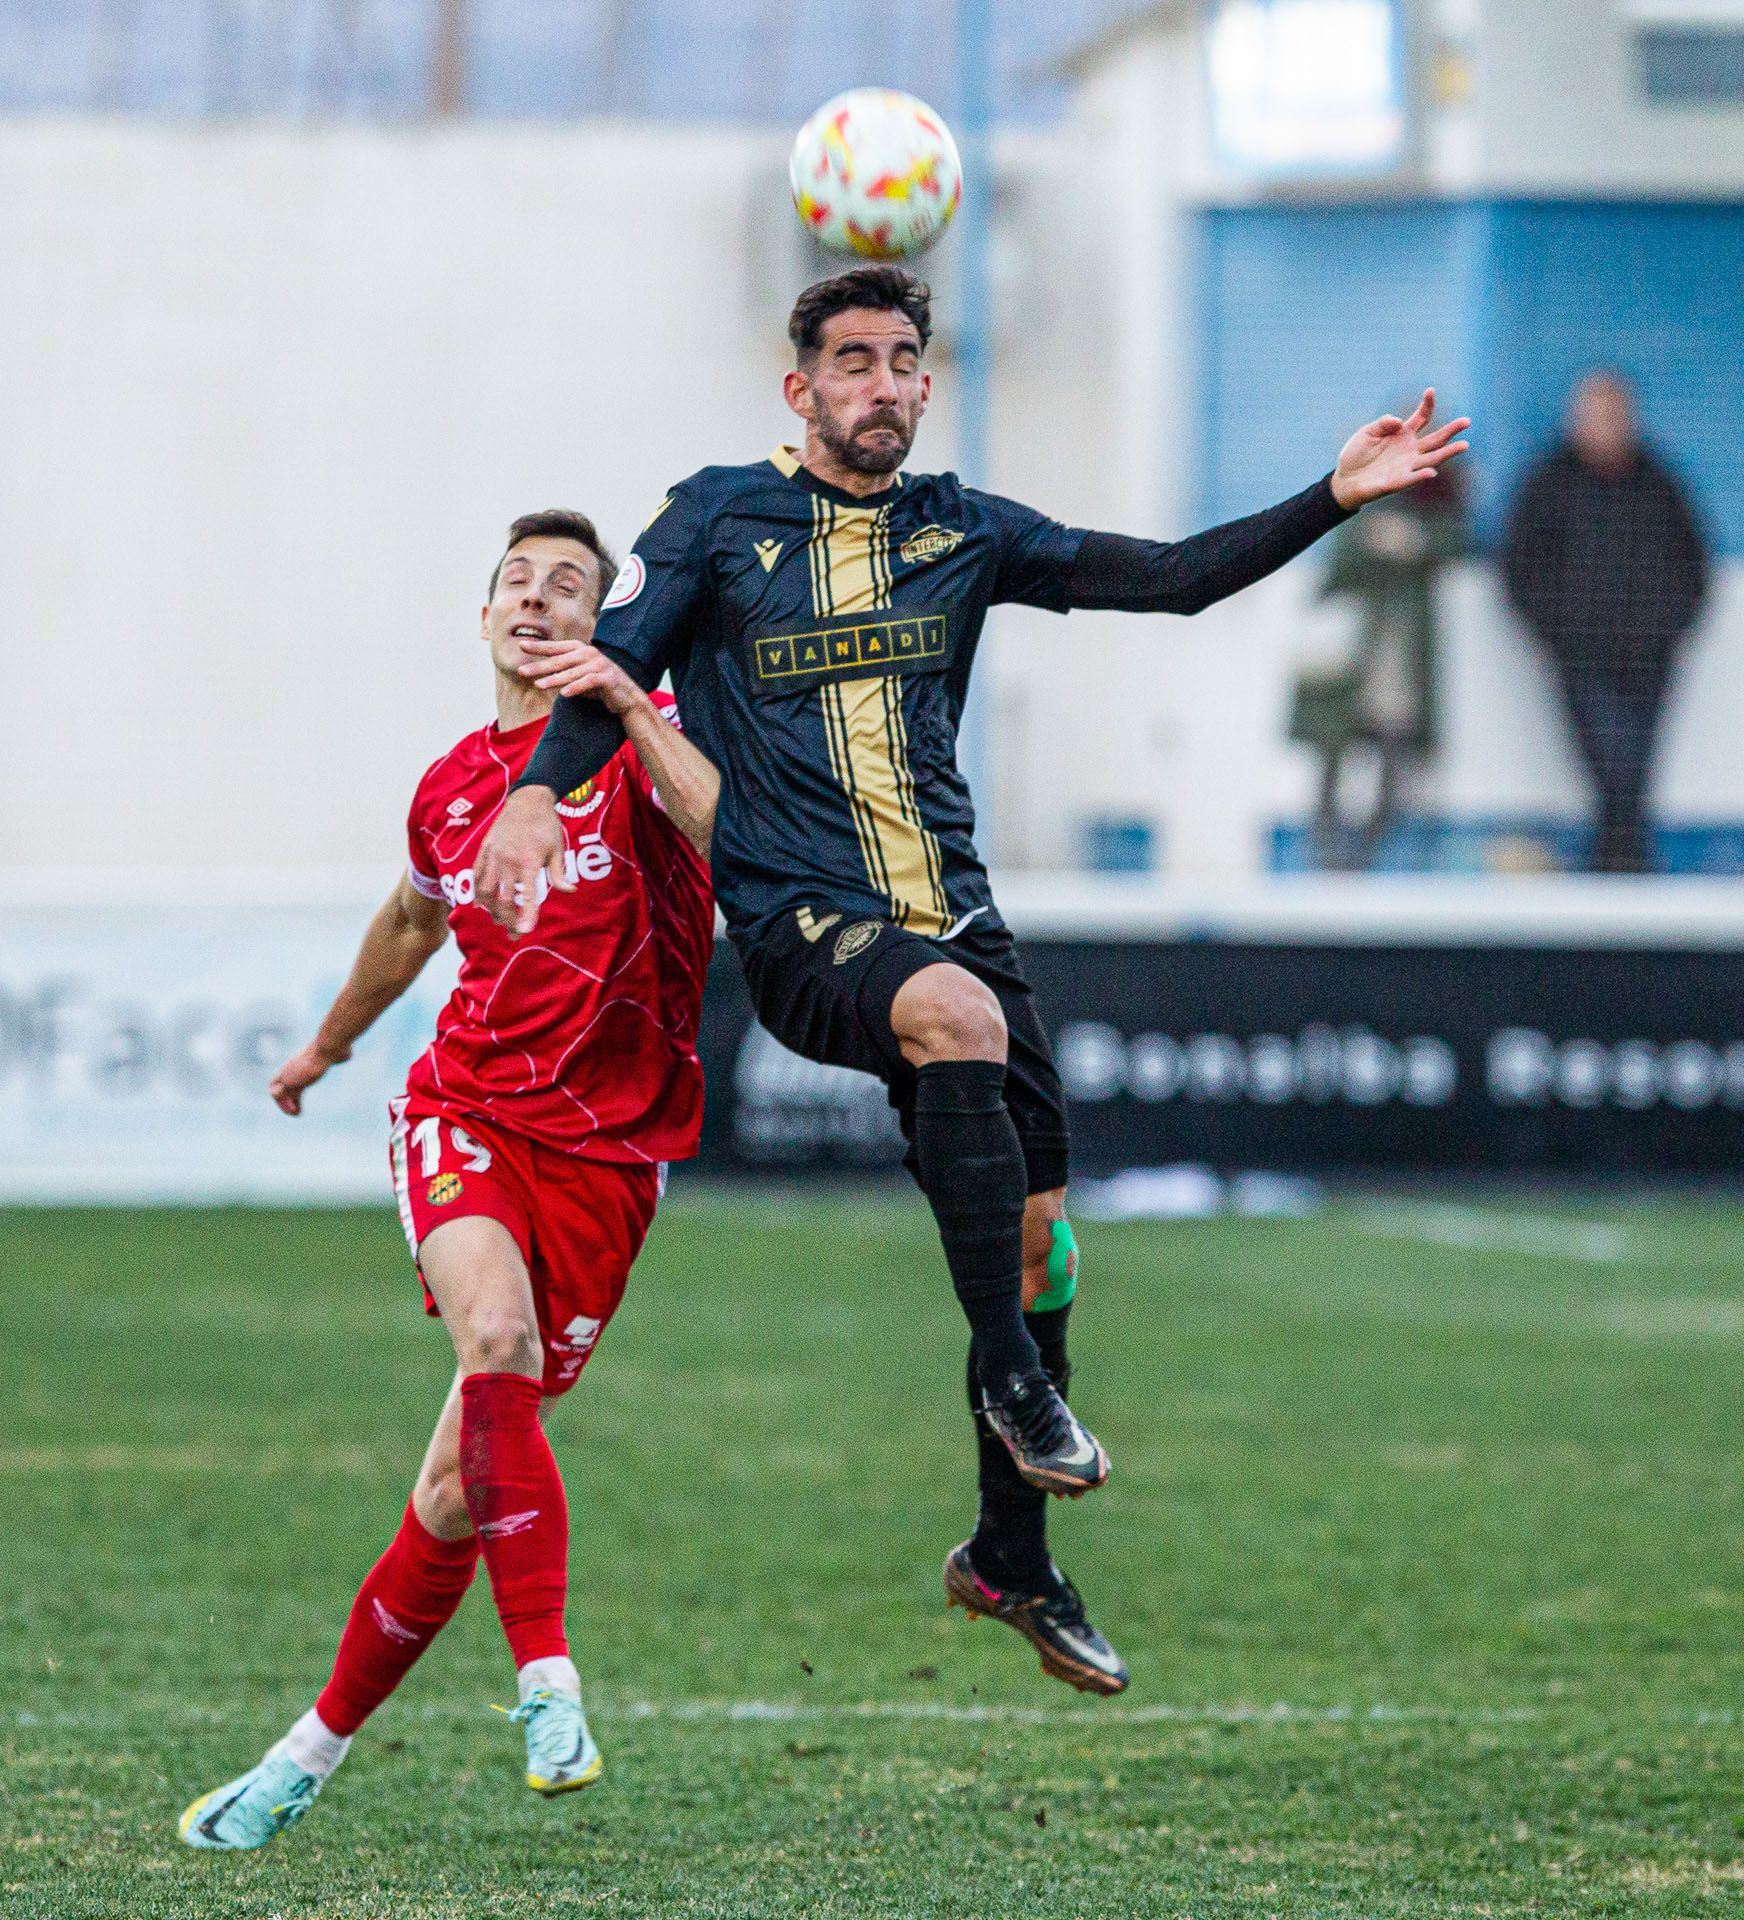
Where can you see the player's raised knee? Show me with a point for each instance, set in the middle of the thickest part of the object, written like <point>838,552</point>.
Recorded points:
<point>945,1013</point>
<point>499,1339</point>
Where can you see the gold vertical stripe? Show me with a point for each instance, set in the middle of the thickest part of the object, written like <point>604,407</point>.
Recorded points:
<point>853,568</point>
<point>896,728</point>
<point>817,553</point>
<point>823,520</point>
<point>834,571</point>
<point>875,781</point>
<point>875,560</point>
<point>881,556</point>
<point>842,765</point>
<point>827,536</point>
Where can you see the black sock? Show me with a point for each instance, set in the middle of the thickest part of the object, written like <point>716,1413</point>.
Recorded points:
<point>1010,1547</point>
<point>972,1173</point>
<point>1048,1330</point>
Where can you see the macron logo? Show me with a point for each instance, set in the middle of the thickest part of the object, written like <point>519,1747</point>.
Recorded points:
<point>508,1524</point>
<point>394,1629</point>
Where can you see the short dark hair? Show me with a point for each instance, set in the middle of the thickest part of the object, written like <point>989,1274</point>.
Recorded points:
<point>882,288</point>
<point>561,523</point>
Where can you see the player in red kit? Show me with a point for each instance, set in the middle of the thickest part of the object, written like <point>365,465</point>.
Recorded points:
<point>528,1154</point>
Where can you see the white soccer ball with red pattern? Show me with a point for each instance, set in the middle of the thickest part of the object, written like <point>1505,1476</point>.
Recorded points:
<point>875,173</point>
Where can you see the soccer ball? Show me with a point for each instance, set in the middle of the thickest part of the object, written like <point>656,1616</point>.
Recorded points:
<point>875,173</point>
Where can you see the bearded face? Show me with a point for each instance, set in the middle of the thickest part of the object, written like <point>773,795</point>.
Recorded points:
<point>873,441</point>
<point>862,393</point>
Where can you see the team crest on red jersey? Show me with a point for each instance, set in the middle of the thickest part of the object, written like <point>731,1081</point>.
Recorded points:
<point>579,803</point>
<point>445,1187</point>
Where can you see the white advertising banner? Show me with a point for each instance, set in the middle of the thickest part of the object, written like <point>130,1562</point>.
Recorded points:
<point>136,1042</point>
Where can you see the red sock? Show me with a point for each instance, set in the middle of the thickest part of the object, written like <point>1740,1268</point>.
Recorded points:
<point>515,1496</point>
<point>408,1598</point>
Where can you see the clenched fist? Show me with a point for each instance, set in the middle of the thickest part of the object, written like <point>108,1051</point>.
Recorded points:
<point>525,840</point>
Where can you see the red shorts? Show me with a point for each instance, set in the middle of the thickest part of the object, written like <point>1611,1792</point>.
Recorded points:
<point>578,1223</point>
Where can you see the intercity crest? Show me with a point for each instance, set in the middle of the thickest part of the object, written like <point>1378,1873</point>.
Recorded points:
<point>930,543</point>
<point>856,939</point>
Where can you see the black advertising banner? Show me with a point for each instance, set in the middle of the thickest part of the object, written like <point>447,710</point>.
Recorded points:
<point>1313,1058</point>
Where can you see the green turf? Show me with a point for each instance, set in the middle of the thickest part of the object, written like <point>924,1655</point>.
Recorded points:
<point>1429,1563</point>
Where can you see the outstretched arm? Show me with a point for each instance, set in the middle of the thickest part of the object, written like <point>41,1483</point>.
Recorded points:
<point>687,781</point>
<point>581,735</point>
<point>1112,571</point>
<point>406,930</point>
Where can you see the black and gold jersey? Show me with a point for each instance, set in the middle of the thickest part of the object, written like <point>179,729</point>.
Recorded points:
<point>820,647</point>
<point>821,644</point>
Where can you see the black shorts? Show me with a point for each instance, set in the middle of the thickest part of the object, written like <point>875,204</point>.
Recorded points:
<point>823,983</point>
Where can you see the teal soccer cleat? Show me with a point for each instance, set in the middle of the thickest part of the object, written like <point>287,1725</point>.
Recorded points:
<point>250,1811</point>
<point>561,1755</point>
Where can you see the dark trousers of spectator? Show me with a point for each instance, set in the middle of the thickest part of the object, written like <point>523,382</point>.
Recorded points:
<point>1614,725</point>
<point>1349,844</point>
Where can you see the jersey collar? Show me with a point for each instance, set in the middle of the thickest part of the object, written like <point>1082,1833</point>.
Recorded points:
<point>786,461</point>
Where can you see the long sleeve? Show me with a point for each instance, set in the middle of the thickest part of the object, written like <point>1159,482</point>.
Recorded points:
<point>1115,572</point>
<point>579,738</point>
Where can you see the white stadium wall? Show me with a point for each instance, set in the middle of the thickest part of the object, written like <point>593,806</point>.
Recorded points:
<point>275,395</point>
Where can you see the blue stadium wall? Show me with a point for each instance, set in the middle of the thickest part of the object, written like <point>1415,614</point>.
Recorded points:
<point>1310,319</point>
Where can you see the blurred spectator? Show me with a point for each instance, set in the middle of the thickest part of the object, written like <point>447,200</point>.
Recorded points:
<point>1605,561</point>
<point>1386,560</point>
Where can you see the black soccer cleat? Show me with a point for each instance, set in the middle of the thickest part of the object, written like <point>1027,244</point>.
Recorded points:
<point>1051,1620</point>
<point>1049,1445</point>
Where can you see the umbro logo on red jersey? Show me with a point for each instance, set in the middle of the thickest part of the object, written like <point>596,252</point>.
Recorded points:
<point>458,810</point>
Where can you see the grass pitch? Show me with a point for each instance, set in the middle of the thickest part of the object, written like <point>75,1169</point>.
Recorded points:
<point>1425,1543</point>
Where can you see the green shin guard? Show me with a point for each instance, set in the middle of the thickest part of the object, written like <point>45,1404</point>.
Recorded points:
<point>1062,1271</point>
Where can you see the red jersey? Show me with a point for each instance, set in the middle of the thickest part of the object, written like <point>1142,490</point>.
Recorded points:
<point>582,1034</point>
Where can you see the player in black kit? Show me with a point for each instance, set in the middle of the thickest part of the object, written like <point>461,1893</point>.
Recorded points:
<point>819,612</point>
